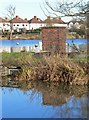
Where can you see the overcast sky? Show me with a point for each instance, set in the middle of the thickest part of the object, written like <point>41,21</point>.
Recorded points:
<point>24,8</point>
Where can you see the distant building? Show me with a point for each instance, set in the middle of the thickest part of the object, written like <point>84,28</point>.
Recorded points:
<point>38,23</point>
<point>75,24</point>
<point>35,23</point>
<point>4,24</point>
<point>19,23</point>
<point>55,21</point>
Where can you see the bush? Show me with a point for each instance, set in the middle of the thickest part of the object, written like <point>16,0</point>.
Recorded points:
<point>56,69</point>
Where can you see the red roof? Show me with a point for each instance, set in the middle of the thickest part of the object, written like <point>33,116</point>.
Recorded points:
<point>17,19</point>
<point>76,21</point>
<point>35,20</point>
<point>3,20</point>
<point>54,20</point>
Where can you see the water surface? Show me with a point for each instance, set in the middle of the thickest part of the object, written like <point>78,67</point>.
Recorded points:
<point>34,42</point>
<point>41,100</point>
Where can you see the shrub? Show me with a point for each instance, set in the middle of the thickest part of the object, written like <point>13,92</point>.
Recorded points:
<point>56,69</point>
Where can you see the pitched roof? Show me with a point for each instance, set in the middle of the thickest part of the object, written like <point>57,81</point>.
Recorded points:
<point>54,20</point>
<point>35,20</point>
<point>17,19</point>
<point>76,21</point>
<point>2,20</point>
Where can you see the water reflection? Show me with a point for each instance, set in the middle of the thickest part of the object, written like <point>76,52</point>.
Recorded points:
<point>44,100</point>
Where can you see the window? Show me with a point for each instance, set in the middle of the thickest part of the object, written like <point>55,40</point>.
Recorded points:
<point>23,25</point>
<point>17,25</point>
<point>3,24</point>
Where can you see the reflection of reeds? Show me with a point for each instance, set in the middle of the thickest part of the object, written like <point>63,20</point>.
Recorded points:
<point>52,94</point>
<point>55,94</point>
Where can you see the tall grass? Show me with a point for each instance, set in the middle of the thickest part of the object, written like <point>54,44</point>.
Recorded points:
<point>56,69</point>
<point>44,68</point>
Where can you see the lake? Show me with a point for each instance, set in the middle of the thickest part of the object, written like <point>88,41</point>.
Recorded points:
<point>34,42</point>
<point>43,100</point>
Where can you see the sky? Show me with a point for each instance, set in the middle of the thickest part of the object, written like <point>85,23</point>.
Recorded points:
<point>25,8</point>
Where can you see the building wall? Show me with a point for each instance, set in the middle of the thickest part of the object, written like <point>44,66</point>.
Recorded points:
<point>54,39</point>
<point>1,26</point>
<point>36,25</point>
<point>5,26</point>
<point>17,26</point>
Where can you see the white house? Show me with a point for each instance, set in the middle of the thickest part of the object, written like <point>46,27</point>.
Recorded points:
<point>4,24</point>
<point>74,24</point>
<point>55,21</point>
<point>35,23</point>
<point>19,23</point>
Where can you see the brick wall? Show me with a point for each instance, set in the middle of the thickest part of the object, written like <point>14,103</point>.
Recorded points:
<point>54,39</point>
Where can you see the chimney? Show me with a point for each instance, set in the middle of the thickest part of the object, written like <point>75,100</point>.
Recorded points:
<point>35,17</point>
<point>17,16</point>
<point>6,18</point>
<point>48,17</point>
<point>25,19</point>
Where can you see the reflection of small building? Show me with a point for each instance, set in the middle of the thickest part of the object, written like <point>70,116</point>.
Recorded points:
<point>52,98</point>
<point>54,39</point>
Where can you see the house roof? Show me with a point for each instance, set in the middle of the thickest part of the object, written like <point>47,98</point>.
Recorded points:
<point>17,19</point>
<point>54,20</point>
<point>75,21</point>
<point>3,20</point>
<point>35,20</point>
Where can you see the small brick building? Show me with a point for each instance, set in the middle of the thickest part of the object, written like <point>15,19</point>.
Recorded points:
<point>54,39</point>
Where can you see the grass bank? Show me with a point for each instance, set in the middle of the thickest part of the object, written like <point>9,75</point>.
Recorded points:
<point>18,58</point>
<point>48,69</point>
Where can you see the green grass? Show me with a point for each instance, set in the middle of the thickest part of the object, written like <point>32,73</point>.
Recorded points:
<point>20,59</point>
<point>84,59</point>
<point>15,58</point>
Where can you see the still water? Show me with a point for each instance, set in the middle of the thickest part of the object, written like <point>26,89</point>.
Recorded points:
<point>41,100</point>
<point>12,43</point>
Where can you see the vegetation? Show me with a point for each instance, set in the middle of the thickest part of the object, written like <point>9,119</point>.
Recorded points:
<point>51,69</point>
<point>78,10</point>
<point>10,13</point>
<point>16,58</point>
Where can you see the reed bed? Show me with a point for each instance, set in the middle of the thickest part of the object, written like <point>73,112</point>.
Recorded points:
<point>56,69</point>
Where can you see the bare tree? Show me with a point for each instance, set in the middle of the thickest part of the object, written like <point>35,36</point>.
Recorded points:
<point>76,9</point>
<point>10,14</point>
<point>65,8</point>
